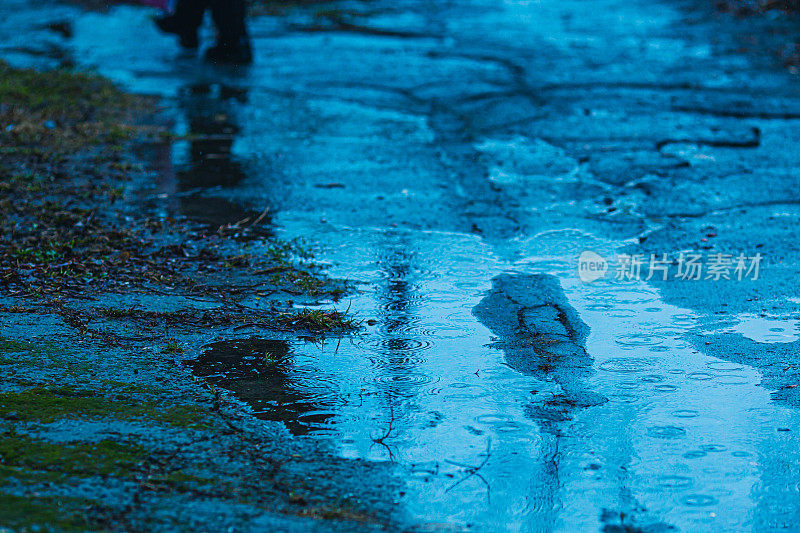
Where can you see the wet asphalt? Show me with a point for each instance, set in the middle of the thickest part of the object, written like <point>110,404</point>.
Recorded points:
<point>455,159</point>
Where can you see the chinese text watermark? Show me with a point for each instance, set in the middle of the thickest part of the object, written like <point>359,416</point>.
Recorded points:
<point>686,266</point>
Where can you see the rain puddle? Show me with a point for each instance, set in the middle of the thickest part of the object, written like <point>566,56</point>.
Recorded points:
<point>768,330</point>
<point>270,378</point>
<point>668,436</point>
<point>513,396</point>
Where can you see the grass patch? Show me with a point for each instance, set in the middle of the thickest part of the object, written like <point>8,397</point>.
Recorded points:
<point>48,404</point>
<point>104,458</point>
<point>343,510</point>
<point>66,154</point>
<point>318,320</point>
<point>13,346</point>
<point>62,110</point>
<point>36,513</point>
<point>173,346</point>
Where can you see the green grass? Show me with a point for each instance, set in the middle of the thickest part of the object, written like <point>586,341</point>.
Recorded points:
<point>37,513</point>
<point>48,404</point>
<point>174,346</point>
<point>13,346</point>
<point>61,110</point>
<point>318,320</point>
<point>104,458</point>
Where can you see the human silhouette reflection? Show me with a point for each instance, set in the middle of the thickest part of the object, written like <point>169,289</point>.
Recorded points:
<point>210,112</point>
<point>542,336</point>
<point>197,172</point>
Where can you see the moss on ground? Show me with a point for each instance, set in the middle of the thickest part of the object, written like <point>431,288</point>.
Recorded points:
<point>49,404</point>
<point>36,513</point>
<point>60,111</point>
<point>13,346</point>
<point>104,458</point>
<point>34,466</point>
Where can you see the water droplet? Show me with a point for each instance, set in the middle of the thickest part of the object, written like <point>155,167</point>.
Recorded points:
<point>508,427</point>
<point>731,379</point>
<point>659,348</point>
<point>629,296</point>
<point>665,387</point>
<point>402,383</point>
<point>713,447</point>
<point>392,344</point>
<point>666,432</point>
<point>638,339</point>
<point>675,482</point>
<point>626,364</point>
<point>493,419</point>
<point>624,398</point>
<point>724,366</point>
<point>694,454</point>
<point>699,500</point>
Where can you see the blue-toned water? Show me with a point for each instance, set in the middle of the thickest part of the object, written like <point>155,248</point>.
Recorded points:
<point>425,162</point>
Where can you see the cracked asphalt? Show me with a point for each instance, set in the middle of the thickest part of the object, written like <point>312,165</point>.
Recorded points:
<point>454,159</point>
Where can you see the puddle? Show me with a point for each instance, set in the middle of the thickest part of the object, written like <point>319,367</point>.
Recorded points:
<point>433,388</point>
<point>598,409</point>
<point>207,159</point>
<point>768,330</point>
<point>271,379</point>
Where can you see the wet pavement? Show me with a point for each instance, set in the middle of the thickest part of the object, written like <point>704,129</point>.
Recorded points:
<point>454,159</point>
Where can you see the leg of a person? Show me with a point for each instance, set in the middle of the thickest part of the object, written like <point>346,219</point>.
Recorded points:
<point>233,45</point>
<point>185,21</point>
<point>190,12</point>
<point>229,17</point>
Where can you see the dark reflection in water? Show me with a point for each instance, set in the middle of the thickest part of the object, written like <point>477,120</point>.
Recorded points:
<point>210,111</point>
<point>260,372</point>
<point>542,336</point>
<point>219,215</point>
<point>396,380</point>
<point>206,167</point>
<point>397,297</point>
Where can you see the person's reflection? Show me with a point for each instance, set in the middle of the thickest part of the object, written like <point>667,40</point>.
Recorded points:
<point>195,173</point>
<point>210,114</point>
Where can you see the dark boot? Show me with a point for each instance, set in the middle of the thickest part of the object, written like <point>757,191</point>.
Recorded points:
<point>233,44</point>
<point>232,53</point>
<point>184,22</point>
